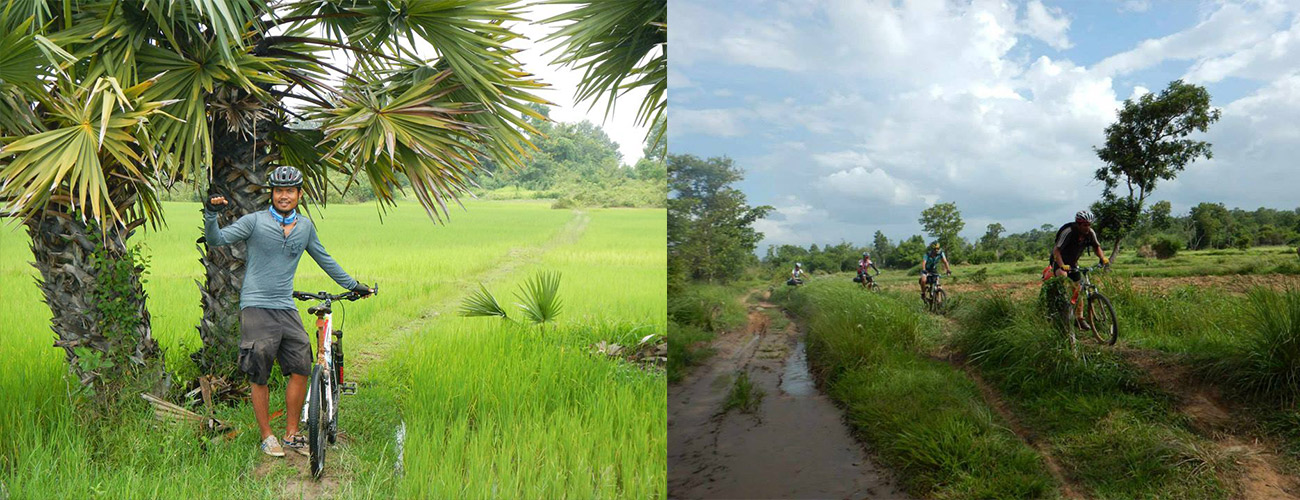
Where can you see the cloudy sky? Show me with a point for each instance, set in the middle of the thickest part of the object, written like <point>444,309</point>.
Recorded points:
<point>851,116</point>
<point>620,124</point>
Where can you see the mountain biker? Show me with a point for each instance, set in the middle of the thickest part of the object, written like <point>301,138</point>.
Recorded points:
<point>865,263</point>
<point>269,323</point>
<point>797,273</point>
<point>1071,240</point>
<point>930,265</point>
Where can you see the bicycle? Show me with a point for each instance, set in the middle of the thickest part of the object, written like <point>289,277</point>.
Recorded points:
<point>321,408</point>
<point>867,282</point>
<point>1098,312</point>
<point>933,296</point>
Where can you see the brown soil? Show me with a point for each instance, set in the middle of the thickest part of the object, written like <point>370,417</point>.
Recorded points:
<point>796,445</point>
<point>1261,475</point>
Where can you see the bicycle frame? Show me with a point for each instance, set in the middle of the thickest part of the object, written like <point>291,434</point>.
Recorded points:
<point>325,358</point>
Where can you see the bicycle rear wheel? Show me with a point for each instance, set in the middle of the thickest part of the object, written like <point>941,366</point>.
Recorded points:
<point>1101,316</point>
<point>316,420</point>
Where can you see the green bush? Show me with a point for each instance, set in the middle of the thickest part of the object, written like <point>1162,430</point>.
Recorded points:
<point>712,308</point>
<point>1166,246</point>
<point>683,350</point>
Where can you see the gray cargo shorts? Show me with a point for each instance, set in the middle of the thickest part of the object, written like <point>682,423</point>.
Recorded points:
<point>270,334</point>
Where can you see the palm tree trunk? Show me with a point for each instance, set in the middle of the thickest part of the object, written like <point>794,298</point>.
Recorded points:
<point>236,176</point>
<point>100,317</point>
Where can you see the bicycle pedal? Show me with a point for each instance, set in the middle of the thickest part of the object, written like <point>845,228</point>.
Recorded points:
<point>348,388</point>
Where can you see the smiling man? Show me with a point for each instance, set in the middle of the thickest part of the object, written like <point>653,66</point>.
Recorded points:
<point>270,326</point>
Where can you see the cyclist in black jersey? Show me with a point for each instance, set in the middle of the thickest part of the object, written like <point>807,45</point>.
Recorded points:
<point>1071,240</point>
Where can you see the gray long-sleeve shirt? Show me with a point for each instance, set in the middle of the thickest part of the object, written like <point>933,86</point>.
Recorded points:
<point>272,257</point>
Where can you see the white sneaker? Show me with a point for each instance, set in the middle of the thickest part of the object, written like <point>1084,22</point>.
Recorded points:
<point>271,446</point>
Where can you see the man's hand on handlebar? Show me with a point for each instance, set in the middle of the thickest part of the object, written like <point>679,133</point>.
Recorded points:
<point>362,290</point>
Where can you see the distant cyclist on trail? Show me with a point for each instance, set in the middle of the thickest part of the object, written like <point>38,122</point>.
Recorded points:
<point>930,265</point>
<point>796,274</point>
<point>864,263</point>
<point>1071,240</point>
<point>269,323</point>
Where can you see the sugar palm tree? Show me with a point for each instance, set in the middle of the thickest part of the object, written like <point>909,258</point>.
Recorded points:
<point>379,90</point>
<point>619,46</point>
<point>77,167</point>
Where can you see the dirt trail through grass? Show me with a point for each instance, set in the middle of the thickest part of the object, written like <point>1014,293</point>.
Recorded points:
<point>795,445</point>
<point>994,400</point>
<point>369,347</point>
<point>1261,475</point>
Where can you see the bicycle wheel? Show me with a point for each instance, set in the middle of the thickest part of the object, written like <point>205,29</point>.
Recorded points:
<point>873,287</point>
<point>1102,317</point>
<point>939,297</point>
<point>315,420</point>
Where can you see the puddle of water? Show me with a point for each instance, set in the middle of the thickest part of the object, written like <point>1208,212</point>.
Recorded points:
<point>797,381</point>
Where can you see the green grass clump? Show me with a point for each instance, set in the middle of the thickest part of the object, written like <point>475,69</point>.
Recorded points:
<point>712,308</point>
<point>696,312</point>
<point>1266,361</point>
<point>744,395</point>
<point>926,418</point>
<point>684,350</point>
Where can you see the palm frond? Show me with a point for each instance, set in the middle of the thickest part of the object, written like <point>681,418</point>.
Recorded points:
<point>482,303</point>
<point>619,46</point>
<point>99,141</point>
<point>540,297</point>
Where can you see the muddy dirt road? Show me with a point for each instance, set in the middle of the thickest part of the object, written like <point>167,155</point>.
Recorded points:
<point>796,445</point>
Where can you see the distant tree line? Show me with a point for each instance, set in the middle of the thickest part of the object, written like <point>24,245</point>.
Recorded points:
<point>579,165</point>
<point>1155,233</point>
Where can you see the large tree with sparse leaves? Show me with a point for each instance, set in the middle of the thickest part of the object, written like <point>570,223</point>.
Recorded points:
<point>1146,144</point>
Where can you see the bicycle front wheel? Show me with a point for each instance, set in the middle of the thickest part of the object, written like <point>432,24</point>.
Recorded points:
<point>1101,315</point>
<point>316,420</point>
<point>937,304</point>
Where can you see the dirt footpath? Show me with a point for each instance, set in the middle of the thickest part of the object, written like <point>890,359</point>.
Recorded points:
<point>796,445</point>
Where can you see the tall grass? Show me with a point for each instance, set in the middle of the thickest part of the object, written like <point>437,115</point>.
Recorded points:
<point>925,418</point>
<point>1119,437</point>
<point>696,312</point>
<point>1265,363</point>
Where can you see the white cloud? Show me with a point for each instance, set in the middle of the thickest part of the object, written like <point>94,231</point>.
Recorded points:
<point>1135,6</point>
<point>791,222</point>
<point>1272,57</point>
<point>715,122</point>
<point>842,159</point>
<point>862,183</point>
<point>1047,24</point>
<point>1230,28</point>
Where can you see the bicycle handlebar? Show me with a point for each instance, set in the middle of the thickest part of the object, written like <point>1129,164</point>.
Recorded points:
<point>323,295</point>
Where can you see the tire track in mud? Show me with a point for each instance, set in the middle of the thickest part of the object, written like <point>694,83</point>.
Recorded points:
<point>796,445</point>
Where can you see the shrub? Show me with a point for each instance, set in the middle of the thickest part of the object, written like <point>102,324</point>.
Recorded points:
<point>1166,246</point>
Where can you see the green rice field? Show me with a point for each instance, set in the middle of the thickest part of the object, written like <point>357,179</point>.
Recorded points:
<point>489,408</point>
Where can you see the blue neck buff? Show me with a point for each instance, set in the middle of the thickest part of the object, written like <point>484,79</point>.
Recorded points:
<point>283,220</point>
